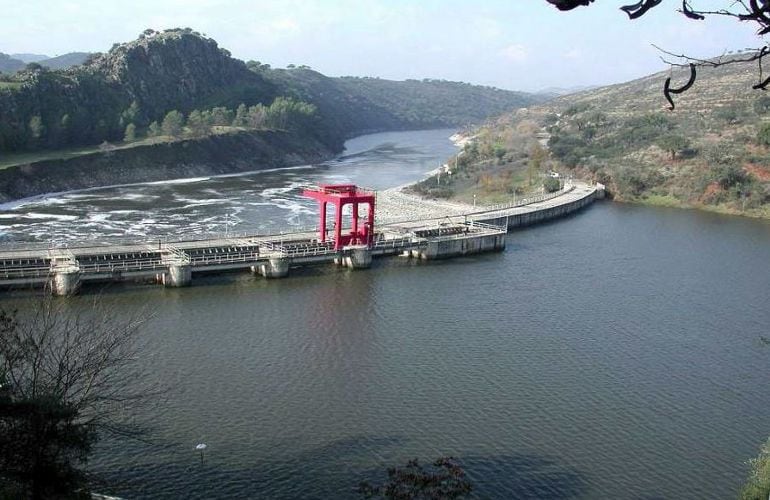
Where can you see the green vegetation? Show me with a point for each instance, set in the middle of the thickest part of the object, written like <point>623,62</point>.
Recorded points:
<point>757,486</point>
<point>172,123</point>
<point>282,114</point>
<point>501,161</point>
<point>551,185</point>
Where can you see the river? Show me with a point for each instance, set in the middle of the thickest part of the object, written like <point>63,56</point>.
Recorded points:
<point>616,353</point>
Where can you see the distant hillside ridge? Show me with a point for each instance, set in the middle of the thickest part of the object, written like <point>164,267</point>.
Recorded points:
<point>139,82</point>
<point>64,61</point>
<point>9,64</point>
<point>29,58</point>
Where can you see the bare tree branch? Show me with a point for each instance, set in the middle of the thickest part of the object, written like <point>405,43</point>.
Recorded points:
<point>755,11</point>
<point>66,376</point>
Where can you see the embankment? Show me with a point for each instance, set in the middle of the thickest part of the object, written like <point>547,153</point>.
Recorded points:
<point>212,155</point>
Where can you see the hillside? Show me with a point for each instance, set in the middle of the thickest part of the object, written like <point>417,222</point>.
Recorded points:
<point>711,152</point>
<point>29,58</point>
<point>9,64</point>
<point>64,61</point>
<point>139,82</point>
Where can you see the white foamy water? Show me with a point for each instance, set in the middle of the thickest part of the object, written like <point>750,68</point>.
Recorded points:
<point>266,200</point>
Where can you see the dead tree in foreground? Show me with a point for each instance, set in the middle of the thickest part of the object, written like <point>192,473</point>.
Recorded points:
<point>67,376</point>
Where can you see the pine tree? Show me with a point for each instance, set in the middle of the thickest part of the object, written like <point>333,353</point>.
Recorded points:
<point>173,123</point>
<point>241,116</point>
<point>154,130</point>
<point>130,135</point>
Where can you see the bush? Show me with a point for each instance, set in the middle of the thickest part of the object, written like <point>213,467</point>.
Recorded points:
<point>551,184</point>
<point>763,137</point>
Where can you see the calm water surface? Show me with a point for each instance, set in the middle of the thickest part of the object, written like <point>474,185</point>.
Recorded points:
<point>612,354</point>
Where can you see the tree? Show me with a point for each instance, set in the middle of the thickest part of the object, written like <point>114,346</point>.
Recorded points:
<point>286,112</point>
<point>130,134</point>
<point>36,127</point>
<point>173,123</point>
<point>221,116</point>
<point>241,116</point>
<point>444,479</point>
<point>551,184</point>
<point>196,123</point>
<point>154,130</point>
<point>132,114</point>
<point>65,379</point>
<point>537,157</point>
<point>65,123</point>
<point>673,144</point>
<point>256,115</point>
<point>754,11</point>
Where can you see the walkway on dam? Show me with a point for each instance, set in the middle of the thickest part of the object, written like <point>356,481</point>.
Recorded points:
<point>394,206</point>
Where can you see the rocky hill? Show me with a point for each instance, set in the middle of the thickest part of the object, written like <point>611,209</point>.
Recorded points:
<point>710,152</point>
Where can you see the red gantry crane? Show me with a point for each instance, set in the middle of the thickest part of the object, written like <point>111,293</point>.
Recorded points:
<point>340,195</point>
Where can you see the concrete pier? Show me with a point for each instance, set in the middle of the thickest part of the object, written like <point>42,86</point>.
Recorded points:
<point>178,275</point>
<point>357,257</point>
<point>65,281</point>
<point>456,247</point>
<point>277,267</point>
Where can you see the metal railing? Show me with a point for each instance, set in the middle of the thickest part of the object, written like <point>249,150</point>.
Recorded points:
<point>488,227</point>
<point>528,200</point>
<point>224,258</point>
<point>25,272</point>
<point>175,255</point>
<point>393,243</point>
<point>111,266</point>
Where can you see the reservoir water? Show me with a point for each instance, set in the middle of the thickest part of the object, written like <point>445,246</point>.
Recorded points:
<point>617,353</point>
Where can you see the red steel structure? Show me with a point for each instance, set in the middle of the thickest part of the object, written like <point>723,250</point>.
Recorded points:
<point>340,195</point>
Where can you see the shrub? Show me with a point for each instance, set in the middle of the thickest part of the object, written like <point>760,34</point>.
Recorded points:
<point>551,184</point>
<point>757,486</point>
<point>763,137</point>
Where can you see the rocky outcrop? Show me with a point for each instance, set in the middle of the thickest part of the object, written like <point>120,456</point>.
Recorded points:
<point>179,69</point>
<point>213,155</point>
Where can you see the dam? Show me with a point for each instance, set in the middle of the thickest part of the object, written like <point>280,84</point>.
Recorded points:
<point>173,262</point>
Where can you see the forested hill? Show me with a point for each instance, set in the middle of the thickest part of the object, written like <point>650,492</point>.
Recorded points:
<point>140,82</point>
<point>363,104</point>
<point>712,151</point>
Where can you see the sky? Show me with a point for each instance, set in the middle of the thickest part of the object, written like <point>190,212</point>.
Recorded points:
<point>512,44</point>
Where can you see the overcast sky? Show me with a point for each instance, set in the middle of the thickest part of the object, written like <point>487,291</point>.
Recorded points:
<point>511,44</point>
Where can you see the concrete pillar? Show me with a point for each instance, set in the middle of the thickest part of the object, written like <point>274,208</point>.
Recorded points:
<point>66,281</point>
<point>600,191</point>
<point>275,268</point>
<point>359,257</point>
<point>178,275</point>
